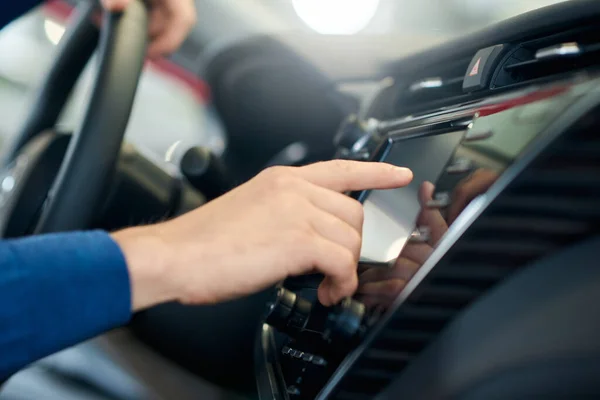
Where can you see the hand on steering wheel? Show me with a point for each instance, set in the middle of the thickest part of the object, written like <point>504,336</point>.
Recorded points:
<point>170,23</point>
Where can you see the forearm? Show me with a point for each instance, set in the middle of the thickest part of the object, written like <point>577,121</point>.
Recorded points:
<point>150,265</point>
<point>56,291</point>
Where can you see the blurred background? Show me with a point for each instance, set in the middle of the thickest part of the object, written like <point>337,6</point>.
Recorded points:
<point>174,105</point>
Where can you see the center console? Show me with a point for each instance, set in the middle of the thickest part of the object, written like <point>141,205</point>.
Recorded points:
<point>499,183</point>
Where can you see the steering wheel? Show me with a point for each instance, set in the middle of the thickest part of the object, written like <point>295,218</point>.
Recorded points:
<point>86,160</point>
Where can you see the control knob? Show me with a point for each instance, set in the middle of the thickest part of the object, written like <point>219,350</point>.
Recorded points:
<point>345,323</point>
<point>288,312</point>
<point>206,172</point>
<point>354,137</point>
<point>291,314</point>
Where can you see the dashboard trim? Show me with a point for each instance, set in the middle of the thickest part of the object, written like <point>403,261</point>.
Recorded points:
<point>578,108</point>
<point>268,370</point>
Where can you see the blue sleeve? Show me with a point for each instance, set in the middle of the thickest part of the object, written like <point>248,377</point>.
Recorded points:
<point>12,9</point>
<point>58,290</point>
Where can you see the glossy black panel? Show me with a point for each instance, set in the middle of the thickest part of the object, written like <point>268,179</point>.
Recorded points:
<point>469,153</point>
<point>391,215</point>
<point>518,205</point>
<point>402,226</point>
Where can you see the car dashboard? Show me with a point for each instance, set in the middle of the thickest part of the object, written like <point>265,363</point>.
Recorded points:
<point>505,125</point>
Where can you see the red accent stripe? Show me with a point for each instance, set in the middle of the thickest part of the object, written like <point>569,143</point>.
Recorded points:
<point>61,11</point>
<point>523,100</point>
<point>58,9</point>
<point>198,86</point>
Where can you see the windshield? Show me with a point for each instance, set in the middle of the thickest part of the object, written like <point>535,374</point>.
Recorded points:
<point>444,18</point>
<point>417,24</point>
<point>429,17</point>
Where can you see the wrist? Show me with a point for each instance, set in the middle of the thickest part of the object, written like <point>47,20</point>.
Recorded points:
<point>147,258</point>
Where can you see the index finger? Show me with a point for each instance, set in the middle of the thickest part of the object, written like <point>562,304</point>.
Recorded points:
<point>345,175</point>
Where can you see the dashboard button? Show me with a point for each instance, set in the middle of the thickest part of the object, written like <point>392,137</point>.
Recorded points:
<point>301,355</point>
<point>481,68</point>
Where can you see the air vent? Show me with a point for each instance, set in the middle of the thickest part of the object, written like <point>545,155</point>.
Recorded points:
<point>551,205</point>
<point>552,56</point>
<point>433,88</point>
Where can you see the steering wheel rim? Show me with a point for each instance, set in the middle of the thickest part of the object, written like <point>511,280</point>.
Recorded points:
<point>94,147</point>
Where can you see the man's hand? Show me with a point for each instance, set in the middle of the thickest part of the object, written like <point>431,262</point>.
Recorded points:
<point>170,23</point>
<point>287,221</point>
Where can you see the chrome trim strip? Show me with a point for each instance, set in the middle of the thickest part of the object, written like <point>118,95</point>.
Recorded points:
<point>559,50</point>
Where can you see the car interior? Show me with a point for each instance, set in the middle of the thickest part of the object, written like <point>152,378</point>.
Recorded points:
<point>504,120</point>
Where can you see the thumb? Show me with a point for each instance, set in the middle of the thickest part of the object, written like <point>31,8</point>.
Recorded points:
<point>115,5</point>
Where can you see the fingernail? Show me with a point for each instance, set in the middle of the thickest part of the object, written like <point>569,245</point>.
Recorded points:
<point>404,172</point>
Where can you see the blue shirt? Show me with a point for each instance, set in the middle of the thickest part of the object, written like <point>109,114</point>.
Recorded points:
<point>56,290</point>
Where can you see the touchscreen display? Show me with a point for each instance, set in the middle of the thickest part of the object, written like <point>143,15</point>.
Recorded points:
<point>390,215</point>
<point>489,146</point>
